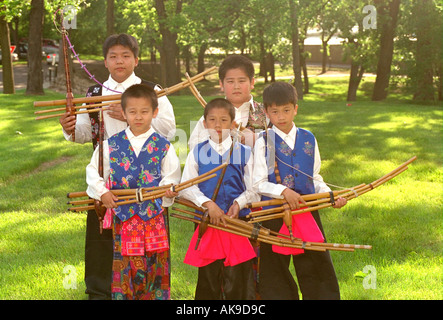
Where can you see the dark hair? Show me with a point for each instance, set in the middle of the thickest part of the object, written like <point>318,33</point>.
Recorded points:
<point>122,39</point>
<point>222,104</point>
<point>140,91</point>
<point>236,62</point>
<point>279,93</point>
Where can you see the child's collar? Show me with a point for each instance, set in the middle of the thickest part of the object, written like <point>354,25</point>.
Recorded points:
<point>291,133</point>
<point>146,134</point>
<point>225,144</point>
<point>125,84</point>
<point>248,104</point>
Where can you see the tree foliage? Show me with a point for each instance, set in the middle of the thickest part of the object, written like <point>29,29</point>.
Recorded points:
<point>183,34</point>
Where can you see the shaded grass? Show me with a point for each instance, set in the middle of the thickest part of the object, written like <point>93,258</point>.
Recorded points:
<point>358,143</point>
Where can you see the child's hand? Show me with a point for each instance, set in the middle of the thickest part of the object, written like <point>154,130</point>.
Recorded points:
<point>68,121</point>
<point>293,198</point>
<point>109,199</point>
<point>216,215</point>
<point>340,202</point>
<point>116,111</point>
<point>247,136</point>
<point>171,194</point>
<point>234,210</point>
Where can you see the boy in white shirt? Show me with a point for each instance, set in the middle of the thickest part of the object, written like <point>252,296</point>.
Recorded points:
<point>236,77</point>
<point>224,259</point>
<point>286,166</point>
<point>137,157</point>
<point>120,53</point>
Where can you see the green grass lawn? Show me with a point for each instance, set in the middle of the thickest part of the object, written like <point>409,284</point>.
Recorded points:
<point>42,245</point>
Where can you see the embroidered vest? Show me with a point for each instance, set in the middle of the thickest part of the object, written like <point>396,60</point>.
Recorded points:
<point>232,185</point>
<point>96,90</point>
<point>131,172</point>
<point>257,117</point>
<point>301,157</point>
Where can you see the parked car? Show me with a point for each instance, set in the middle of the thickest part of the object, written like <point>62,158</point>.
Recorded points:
<point>22,51</point>
<point>14,56</point>
<point>52,56</point>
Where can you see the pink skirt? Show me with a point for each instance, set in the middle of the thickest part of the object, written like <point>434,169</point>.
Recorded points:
<point>305,228</point>
<point>218,244</point>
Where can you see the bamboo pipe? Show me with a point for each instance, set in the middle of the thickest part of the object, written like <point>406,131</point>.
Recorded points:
<point>264,232</point>
<point>86,106</point>
<point>118,192</point>
<point>308,203</point>
<point>94,108</point>
<point>151,195</point>
<point>306,197</point>
<point>195,92</point>
<point>241,232</point>
<point>160,93</point>
<point>274,215</point>
<point>349,196</point>
<point>316,246</point>
<point>229,221</point>
<point>155,192</point>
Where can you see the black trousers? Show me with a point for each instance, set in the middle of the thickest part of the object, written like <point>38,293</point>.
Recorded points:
<point>218,282</point>
<point>98,259</point>
<point>314,270</point>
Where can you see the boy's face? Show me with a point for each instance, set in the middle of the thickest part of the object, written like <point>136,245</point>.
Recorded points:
<point>120,62</point>
<point>218,122</point>
<point>282,116</point>
<point>138,113</point>
<point>237,86</point>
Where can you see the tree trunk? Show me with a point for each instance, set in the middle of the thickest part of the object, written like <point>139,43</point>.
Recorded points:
<point>8,72</point>
<point>201,57</point>
<point>386,50</point>
<point>270,62</point>
<point>295,50</point>
<point>324,58</point>
<point>355,77</point>
<point>169,48</point>
<point>305,74</point>
<point>424,68</point>
<point>109,17</point>
<point>187,58</point>
<point>263,72</point>
<point>35,72</point>
<point>440,84</point>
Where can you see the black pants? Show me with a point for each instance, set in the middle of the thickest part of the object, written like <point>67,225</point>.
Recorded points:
<point>218,282</point>
<point>314,270</point>
<point>98,259</point>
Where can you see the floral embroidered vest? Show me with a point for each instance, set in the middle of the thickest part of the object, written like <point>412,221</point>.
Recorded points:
<point>301,157</point>
<point>131,172</point>
<point>257,117</point>
<point>232,185</point>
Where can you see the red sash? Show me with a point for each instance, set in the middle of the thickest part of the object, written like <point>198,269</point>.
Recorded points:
<point>305,228</point>
<point>218,244</point>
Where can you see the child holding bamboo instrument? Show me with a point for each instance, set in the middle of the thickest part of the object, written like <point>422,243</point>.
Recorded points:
<point>224,259</point>
<point>236,77</point>
<point>120,53</point>
<point>137,157</point>
<point>286,165</point>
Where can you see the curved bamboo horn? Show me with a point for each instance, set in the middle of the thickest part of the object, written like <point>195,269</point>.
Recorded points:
<point>99,101</point>
<point>279,212</point>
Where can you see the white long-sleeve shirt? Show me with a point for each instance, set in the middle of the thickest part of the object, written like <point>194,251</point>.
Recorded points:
<point>170,166</point>
<point>191,171</point>
<point>164,123</point>
<point>261,184</point>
